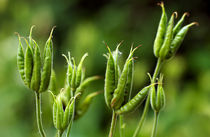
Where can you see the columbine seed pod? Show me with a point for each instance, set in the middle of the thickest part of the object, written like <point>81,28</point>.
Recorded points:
<point>47,66</point>
<point>178,39</point>
<point>118,96</point>
<point>129,83</point>
<point>153,97</point>
<point>69,69</point>
<point>73,79</point>
<point>20,60</point>
<point>134,102</point>
<point>109,79</point>
<point>62,114</point>
<point>53,86</point>
<point>79,71</point>
<point>85,83</point>
<point>83,107</point>
<point>179,24</point>
<point>28,64</point>
<point>160,32</point>
<point>164,51</point>
<point>160,95</point>
<point>36,75</point>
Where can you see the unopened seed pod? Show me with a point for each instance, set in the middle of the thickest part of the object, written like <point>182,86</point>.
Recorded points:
<point>79,71</point>
<point>28,64</point>
<point>73,79</point>
<point>69,69</point>
<point>160,95</point>
<point>68,114</point>
<point>85,83</point>
<point>85,104</point>
<point>47,66</point>
<point>153,97</point>
<point>134,102</point>
<point>178,39</point>
<point>36,75</point>
<point>20,60</point>
<point>164,51</point>
<point>160,32</point>
<point>58,113</point>
<point>109,79</point>
<point>178,26</point>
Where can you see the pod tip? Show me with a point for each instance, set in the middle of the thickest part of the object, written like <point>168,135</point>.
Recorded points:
<point>186,14</point>
<point>176,14</point>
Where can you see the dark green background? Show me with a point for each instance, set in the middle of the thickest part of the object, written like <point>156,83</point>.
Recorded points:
<point>82,26</point>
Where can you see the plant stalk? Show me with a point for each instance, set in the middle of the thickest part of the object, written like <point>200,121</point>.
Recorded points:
<point>155,124</point>
<point>113,124</point>
<point>38,114</point>
<point>146,107</point>
<point>121,126</point>
<point>59,133</point>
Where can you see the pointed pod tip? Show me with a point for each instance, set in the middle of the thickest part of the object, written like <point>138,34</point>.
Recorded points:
<point>31,30</point>
<point>52,30</point>
<point>175,14</point>
<point>161,4</point>
<point>186,14</point>
<point>194,23</point>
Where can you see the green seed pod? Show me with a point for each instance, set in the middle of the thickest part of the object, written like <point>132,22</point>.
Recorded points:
<point>79,71</point>
<point>118,96</point>
<point>69,69</point>
<point>28,64</point>
<point>134,102</point>
<point>68,114</point>
<point>73,79</point>
<point>85,83</point>
<point>47,66</point>
<point>109,79</point>
<point>83,107</point>
<point>160,32</point>
<point>115,55</point>
<point>177,41</point>
<point>153,97</point>
<point>129,84</point>
<point>20,60</point>
<point>53,86</point>
<point>31,41</point>
<point>164,51</point>
<point>58,113</point>
<point>36,76</point>
<point>160,103</point>
<point>179,24</point>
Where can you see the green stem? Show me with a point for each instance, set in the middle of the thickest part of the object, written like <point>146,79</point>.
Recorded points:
<point>155,124</point>
<point>113,123</point>
<point>69,128</point>
<point>146,107</point>
<point>59,133</point>
<point>38,114</point>
<point>121,126</point>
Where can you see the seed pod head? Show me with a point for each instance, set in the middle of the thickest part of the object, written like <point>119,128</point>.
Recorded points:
<point>160,95</point>
<point>164,51</point>
<point>160,32</point>
<point>62,115</point>
<point>119,92</point>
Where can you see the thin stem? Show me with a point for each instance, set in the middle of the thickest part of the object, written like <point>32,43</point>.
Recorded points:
<point>69,128</point>
<point>146,107</point>
<point>155,124</point>
<point>38,114</point>
<point>121,126</point>
<point>59,133</point>
<point>113,123</point>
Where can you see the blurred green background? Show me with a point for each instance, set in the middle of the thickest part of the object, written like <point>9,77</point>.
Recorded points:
<point>82,26</point>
